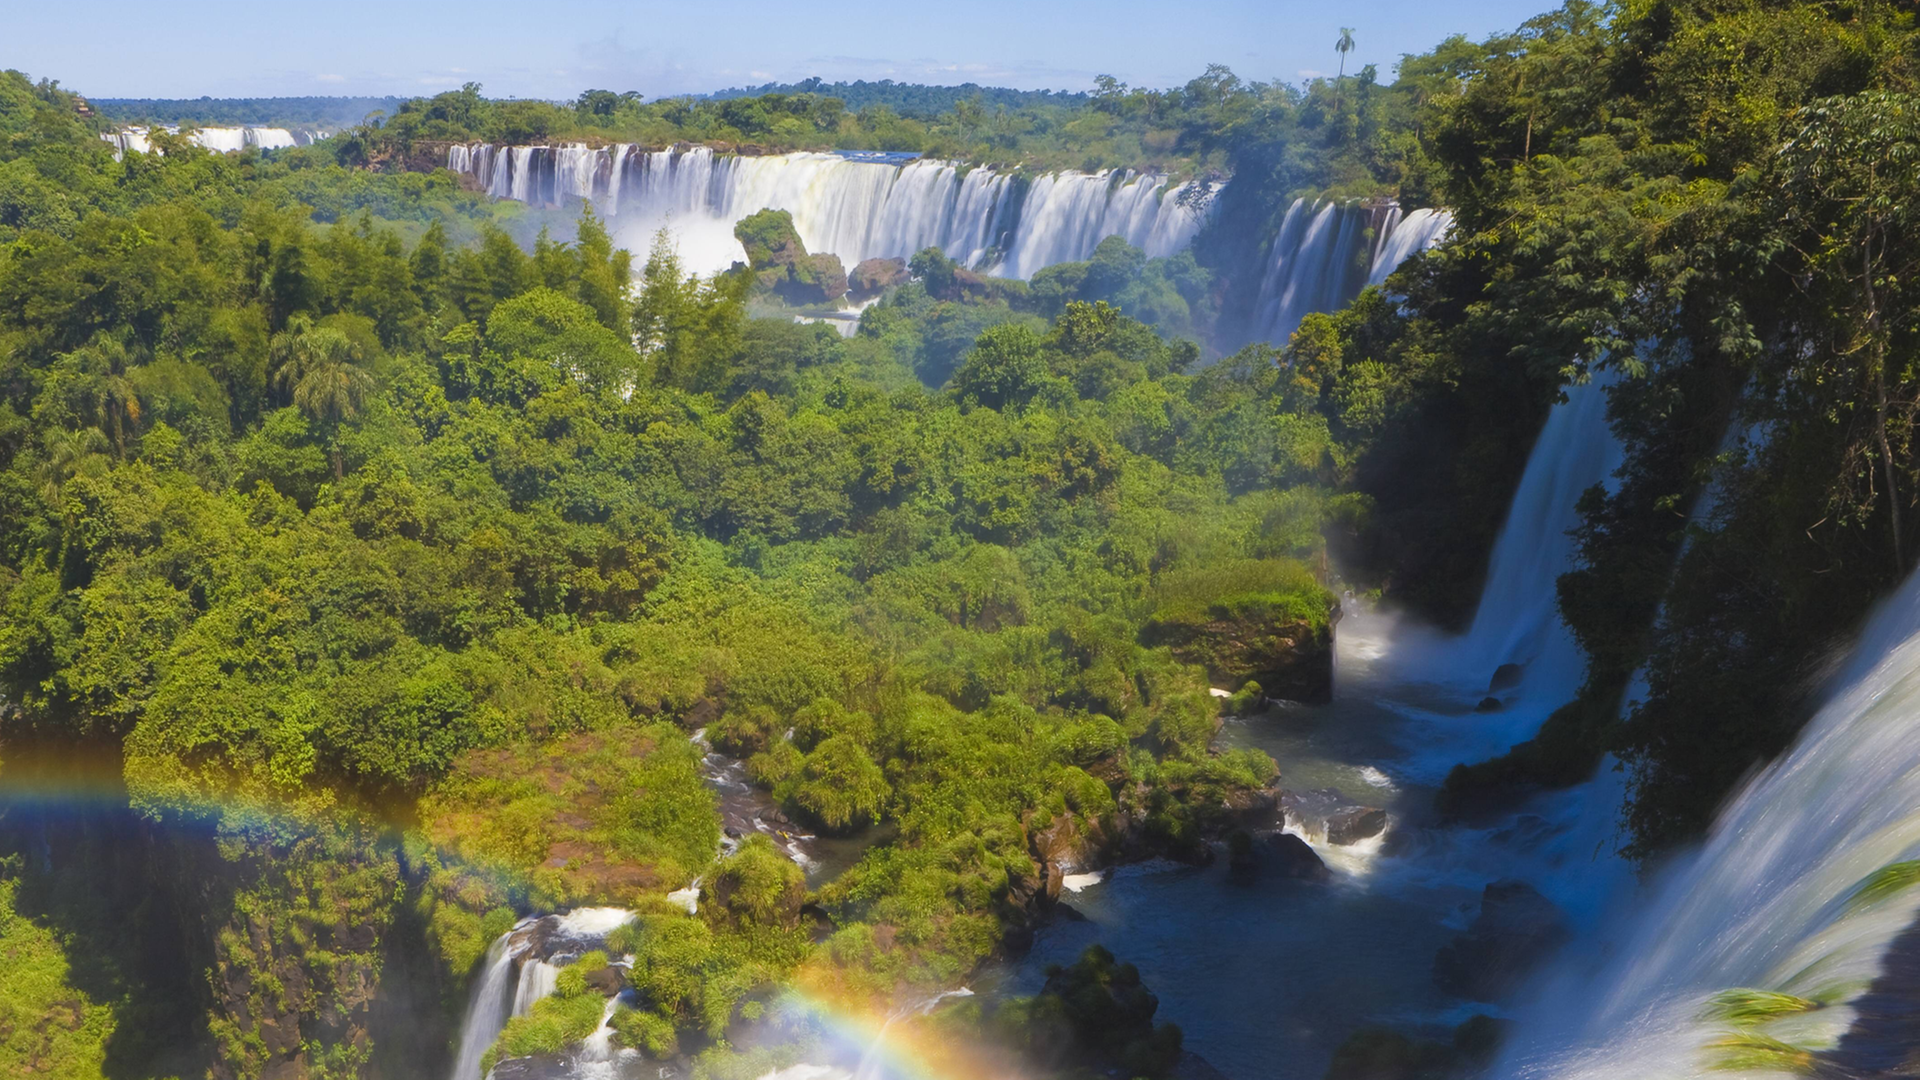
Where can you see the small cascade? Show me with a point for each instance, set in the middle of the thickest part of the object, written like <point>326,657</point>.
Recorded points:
<point>598,1058</point>
<point>537,980</point>
<point>1777,901</point>
<point>842,205</point>
<point>487,1010</point>
<point>1405,237</point>
<point>521,967</point>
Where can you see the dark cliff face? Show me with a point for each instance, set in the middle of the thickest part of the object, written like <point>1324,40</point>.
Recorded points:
<point>234,954</point>
<point>1289,658</point>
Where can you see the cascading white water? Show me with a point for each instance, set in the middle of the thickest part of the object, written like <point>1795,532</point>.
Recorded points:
<point>851,208</point>
<point>537,980</point>
<point>1404,237</point>
<point>224,140</point>
<point>1323,255</point>
<point>1518,620</point>
<point>1066,215</point>
<point>1320,258</point>
<point>1518,617</point>
<point>1772,902</point>
<point>501,994</point>
<point>487,1010</point>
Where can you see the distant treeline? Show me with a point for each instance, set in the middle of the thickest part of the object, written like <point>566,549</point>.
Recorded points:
<point>909,99</point>
<point>258,112</point>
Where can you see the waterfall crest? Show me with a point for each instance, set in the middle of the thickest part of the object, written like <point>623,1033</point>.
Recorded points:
<point>846,206</point>
<point>1772,902</point>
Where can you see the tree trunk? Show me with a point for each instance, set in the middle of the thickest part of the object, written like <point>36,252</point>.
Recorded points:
<point>1878,358</point>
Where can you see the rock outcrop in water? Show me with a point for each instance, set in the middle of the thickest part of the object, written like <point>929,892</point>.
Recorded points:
<point>781,263</point>
<point>1329,814</point>
<point>1294,857</point>
<point>1516,928</point>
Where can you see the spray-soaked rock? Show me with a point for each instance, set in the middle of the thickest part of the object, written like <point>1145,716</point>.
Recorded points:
<point>1294,857</point>
<point>1516,928</point>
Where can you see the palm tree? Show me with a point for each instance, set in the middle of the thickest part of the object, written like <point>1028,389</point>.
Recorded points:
<point>115,401</point>
<point>320,369</point>
<point>1343,47</point>
<point>118,404</point>
<point>70,454</point>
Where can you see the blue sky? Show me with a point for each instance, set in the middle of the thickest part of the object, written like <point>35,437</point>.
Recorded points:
<point>556,48</point>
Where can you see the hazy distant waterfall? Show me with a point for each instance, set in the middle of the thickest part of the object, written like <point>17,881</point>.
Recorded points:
<point>1325,252</point>
<point>854,209</point>
<point>224,140</point>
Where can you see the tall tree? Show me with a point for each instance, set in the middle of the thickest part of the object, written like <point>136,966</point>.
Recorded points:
<point>1343,47</point>
<point>321,369</point>
<point>1848,181</point>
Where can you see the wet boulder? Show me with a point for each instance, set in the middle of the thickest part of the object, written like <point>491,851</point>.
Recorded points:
<point>1328,813</point>
<point>1256,809</point>
<point>1294,858</point>
<point>1505,677</point>
<point>536,1067</point>
<point>1516,928</point>
<point>1240,852</point>
<point>1352,824</point>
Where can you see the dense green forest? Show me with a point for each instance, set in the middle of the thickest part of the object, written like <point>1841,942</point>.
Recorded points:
<point>909,99</point>
<point>332,112</point>
<point>372,568</point>
<point>1329,136</point>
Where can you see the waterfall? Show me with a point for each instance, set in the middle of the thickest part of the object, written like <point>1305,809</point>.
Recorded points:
<point>854,208</point>
<point>487,1010</point>
<point>1518,620</point>
<point>224,140</point>
<point>1773,900</point>
<point>537,980</point>
<point>1066,215</point>
<point>1405,237</point>
<point>1322,256</point>
<point>534,944</point>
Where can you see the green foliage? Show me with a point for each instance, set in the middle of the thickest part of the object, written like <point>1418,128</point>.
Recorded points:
<point>555,1022</point>
<point>756,885</point>
<point>1746,1007</point>
<point>1749,1051</point>
<point>647,1031</point>
<point>1885,882</point>
<point>592,817</point>
<point>47,1027</point>
<point>839,785</point>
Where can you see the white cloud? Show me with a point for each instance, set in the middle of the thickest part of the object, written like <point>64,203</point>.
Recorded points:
<point>330,78</point>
